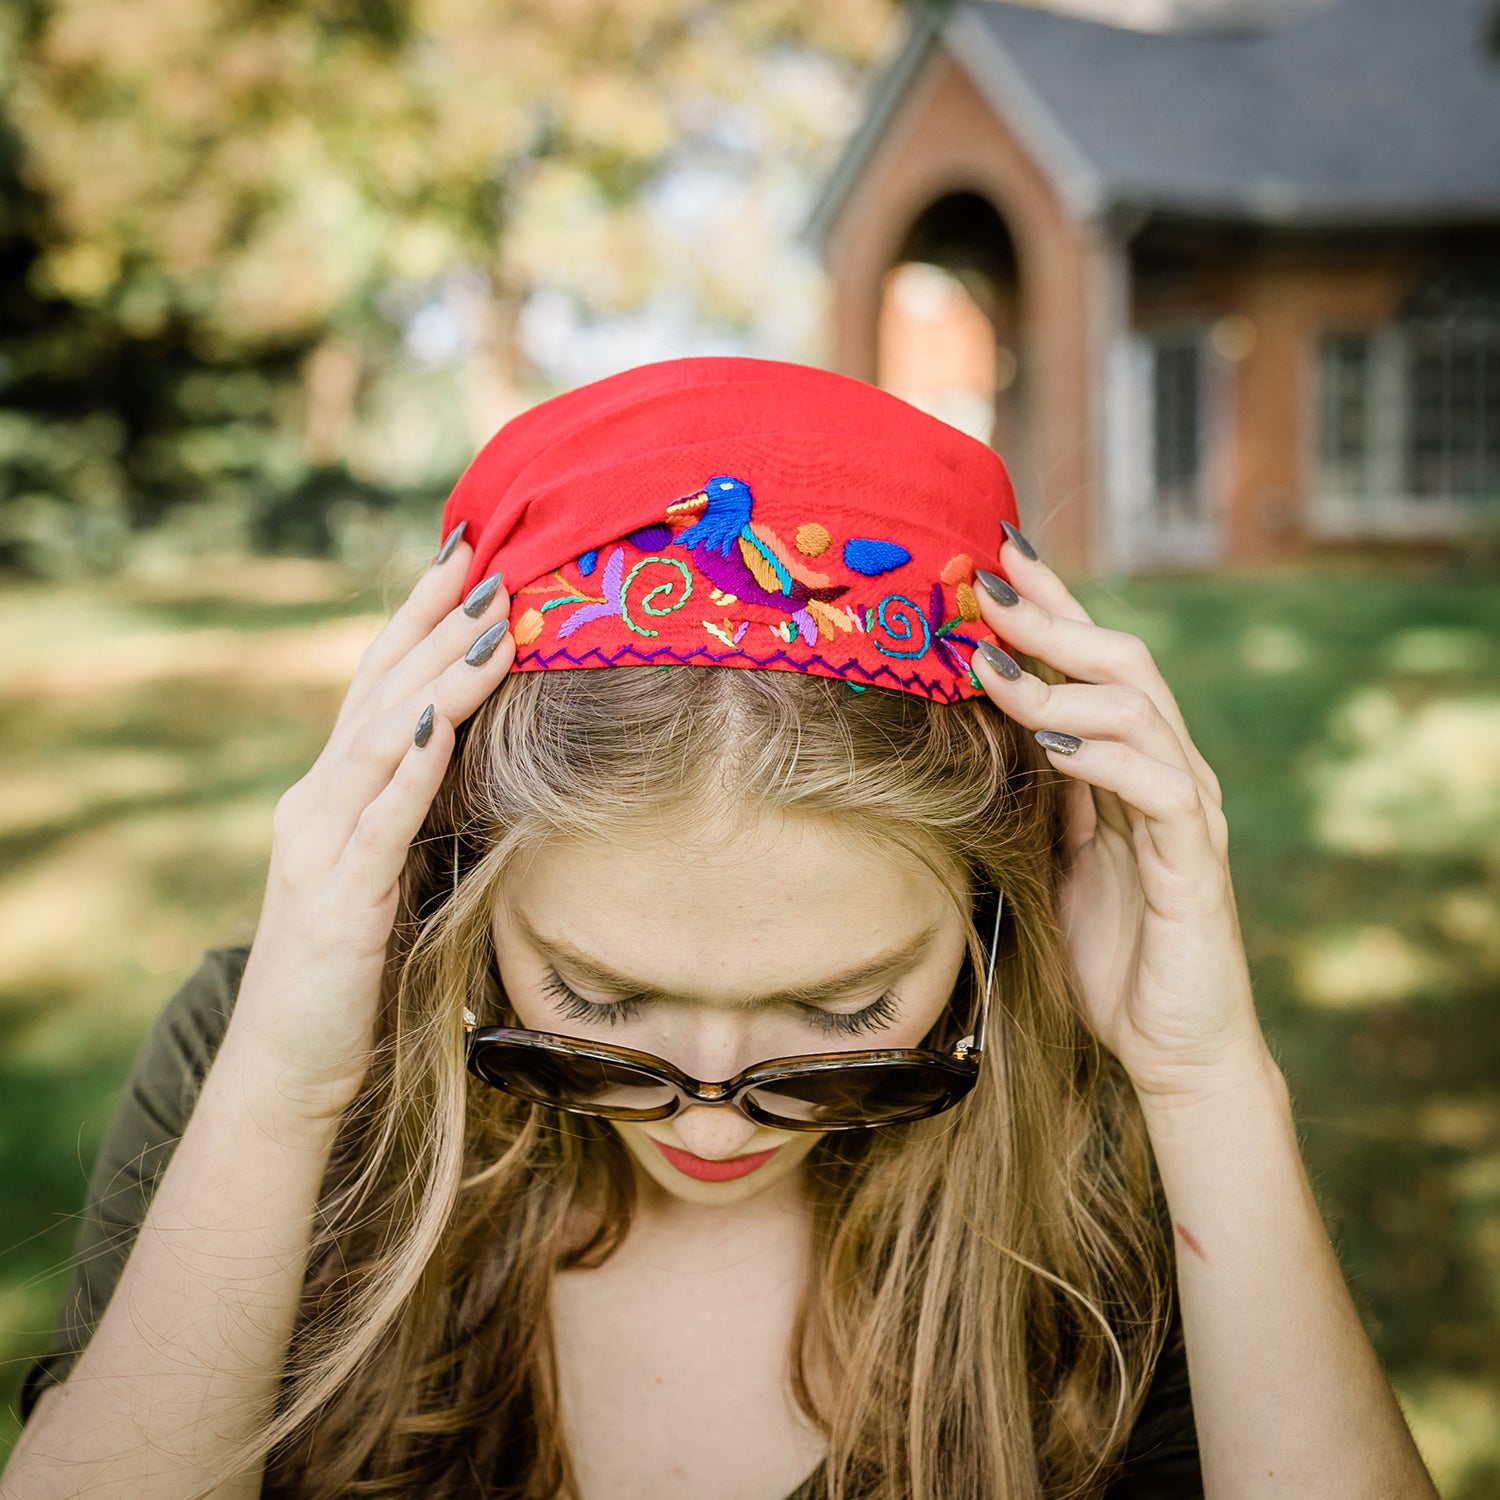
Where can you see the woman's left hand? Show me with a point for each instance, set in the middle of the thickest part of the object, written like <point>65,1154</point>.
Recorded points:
<point>1147,903</point>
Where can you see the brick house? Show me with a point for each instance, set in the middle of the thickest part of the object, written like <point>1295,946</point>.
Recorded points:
<point>1222,295</point>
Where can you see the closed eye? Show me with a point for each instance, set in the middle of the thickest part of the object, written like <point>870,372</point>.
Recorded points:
<point>873,1017</point>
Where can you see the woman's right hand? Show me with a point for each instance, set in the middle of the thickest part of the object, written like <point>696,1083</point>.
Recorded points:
<point>307,1001</point>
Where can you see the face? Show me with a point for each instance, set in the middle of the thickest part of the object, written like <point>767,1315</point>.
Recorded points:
<point>690,954</point>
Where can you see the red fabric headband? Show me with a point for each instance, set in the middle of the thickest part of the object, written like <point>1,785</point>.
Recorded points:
<point>739,513</point>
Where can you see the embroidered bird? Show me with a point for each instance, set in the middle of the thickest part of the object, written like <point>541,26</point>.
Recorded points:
<point>747,560</point>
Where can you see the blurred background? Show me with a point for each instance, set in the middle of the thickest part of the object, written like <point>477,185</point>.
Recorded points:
<point>1219,278</point>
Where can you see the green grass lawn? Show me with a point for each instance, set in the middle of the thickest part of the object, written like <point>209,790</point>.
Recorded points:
<point>1353,717</point>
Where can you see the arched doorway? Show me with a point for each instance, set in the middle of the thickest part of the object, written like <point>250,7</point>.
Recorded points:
<point>949,338</point>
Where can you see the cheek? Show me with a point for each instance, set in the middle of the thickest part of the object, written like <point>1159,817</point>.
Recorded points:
<point>910,1031</point>
<point>533,1012</point>
<point>933,1024</point>
<point>523,989</point>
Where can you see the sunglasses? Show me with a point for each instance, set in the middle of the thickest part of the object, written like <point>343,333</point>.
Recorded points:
<point>816,1091</point>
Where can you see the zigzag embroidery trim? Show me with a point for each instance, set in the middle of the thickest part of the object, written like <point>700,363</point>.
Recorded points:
<point>933,687</point>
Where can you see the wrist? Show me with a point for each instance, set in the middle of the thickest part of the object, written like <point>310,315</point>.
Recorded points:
<point>302,1112</point>
<point>1250,1077</point>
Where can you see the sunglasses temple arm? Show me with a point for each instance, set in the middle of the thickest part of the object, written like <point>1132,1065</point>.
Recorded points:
<point>974,1045</point>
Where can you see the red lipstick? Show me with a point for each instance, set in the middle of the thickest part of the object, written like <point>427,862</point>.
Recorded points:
<point>715,1171</point>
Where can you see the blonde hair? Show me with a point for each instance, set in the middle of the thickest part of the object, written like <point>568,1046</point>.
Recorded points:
<point>990,1288</point>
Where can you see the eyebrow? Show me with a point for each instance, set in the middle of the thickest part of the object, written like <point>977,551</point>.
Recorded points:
<point>594,972</point>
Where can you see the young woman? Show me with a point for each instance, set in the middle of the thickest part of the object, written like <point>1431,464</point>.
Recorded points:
<point>839,1077</point>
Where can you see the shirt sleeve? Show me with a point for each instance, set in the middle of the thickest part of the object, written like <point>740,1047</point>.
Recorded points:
<point>1161,1457</point>
<point>148,1121</point>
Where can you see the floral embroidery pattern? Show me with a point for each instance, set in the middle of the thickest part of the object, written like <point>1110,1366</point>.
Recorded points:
<point>744,562</point>
<point>613,603</point>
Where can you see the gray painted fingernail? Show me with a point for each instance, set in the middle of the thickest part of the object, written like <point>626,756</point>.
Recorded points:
<point>1019,540</point>
<point>484,648</point>
<point>481,594</point>
<point>1053,739</point>
<point>424,728</point>
<point>997,588</point>
<point>449,543</point>
<point>1002,661</point>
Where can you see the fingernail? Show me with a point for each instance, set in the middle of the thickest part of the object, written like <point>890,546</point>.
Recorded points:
<point>1052,739</point>
<point>484,648</point>
<point>481,594</point>
<point>1020,541</point>
<point>997,588</point>
<point>424,727</point>
<point>1002,661</point>
<point>449,543</point>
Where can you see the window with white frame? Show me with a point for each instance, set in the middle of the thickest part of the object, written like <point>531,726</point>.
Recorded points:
<point>1177,425</point>
<point>1409,414</point>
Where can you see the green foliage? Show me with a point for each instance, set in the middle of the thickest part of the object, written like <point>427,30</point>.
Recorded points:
<point>198,201</point>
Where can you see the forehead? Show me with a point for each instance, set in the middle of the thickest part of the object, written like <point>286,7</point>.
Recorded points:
<point>779,904</point>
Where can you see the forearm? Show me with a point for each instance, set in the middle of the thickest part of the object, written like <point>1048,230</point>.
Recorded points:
<point>1288,1393</point>
<point>187,1358</point>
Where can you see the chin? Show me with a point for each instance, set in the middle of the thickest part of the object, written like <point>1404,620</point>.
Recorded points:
<point>791,1149</point>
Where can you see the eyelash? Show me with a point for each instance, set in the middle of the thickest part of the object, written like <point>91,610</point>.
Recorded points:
<point>874,1016</point>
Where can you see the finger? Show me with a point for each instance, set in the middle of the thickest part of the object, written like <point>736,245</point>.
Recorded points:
<point>1081,817</point>
<point>1089,710</point>
<point>1093,654</point>
<point>433,595</point>
<point>1167,798</point>
<point>490,603</point>
<point>359,774</point>
<point>378,844</point>
<point>1033,578</point>
<point>449,639</point>
<point>1094,711</point>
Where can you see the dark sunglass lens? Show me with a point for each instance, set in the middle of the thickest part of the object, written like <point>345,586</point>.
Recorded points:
<point>569,1081</point>
<point>869,1095</point>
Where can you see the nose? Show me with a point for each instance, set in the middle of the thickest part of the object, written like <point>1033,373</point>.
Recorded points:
<point>714,1047</point>
<point>714,1132</point>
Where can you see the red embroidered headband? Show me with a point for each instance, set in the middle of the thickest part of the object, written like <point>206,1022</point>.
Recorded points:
<point>740,513</point>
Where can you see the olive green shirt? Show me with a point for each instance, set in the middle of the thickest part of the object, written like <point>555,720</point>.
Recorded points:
<point>1161,1462</point>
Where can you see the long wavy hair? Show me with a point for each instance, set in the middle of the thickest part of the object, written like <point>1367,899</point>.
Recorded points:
<point>990,1289</point>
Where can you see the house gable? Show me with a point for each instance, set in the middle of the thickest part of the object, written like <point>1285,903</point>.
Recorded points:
<point>1350,112</point>
<point>1357,112</point>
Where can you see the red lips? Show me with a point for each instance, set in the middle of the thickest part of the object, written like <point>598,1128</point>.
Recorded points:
<point>715,1171</point>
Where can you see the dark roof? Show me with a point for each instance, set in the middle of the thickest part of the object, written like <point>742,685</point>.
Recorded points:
<point>1360,112</point>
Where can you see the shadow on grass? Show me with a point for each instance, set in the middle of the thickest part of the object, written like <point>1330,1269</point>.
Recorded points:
<point>40,839</point>
<point>209,612</point>
<point>1395,1106</point>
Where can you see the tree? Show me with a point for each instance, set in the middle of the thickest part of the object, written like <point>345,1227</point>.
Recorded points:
<point>220,195</point>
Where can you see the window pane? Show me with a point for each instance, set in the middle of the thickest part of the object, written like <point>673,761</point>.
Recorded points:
<point>1178,429</point>
<point>1427,411</point>
<point>1453,409</point>
<point>1344,382</point>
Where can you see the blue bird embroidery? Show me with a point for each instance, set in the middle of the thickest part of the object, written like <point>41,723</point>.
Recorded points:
<point>741,558</point>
